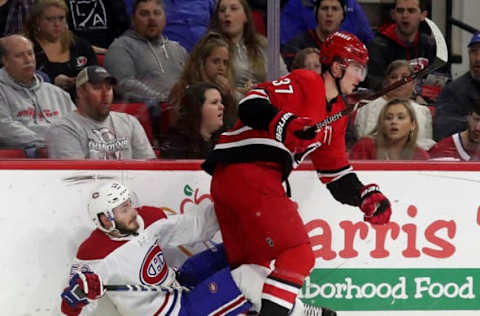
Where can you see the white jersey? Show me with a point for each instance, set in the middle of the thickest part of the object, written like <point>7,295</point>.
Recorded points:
<point>139,259</point>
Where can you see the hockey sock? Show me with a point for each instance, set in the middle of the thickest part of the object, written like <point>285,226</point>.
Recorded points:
<point>284,283</point>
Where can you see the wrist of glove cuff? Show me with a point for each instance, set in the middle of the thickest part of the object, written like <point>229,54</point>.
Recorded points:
<point>374,205</point>
<point>279,125</point>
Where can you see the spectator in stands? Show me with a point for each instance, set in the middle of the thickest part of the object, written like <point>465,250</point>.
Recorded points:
<point>188,20</point>
<point>59,53</point>
<point>400,40</point>
<point>12,16</point>
<point>464,145</point>
<point>394,137</point>
<point>308,58</point>
<point>453,103</point>
<point>99,21</point>
<point>200,117</point>
<point>367,116</point>
<point>28,106</point>
<point>233,18</point>
<point>210,62</point>
<point>306,23</point>
<point>95,132</point>
<point>145,62</point>
<point>329,15</point>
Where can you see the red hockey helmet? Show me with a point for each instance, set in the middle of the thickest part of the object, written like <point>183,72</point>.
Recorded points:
<point>344,46</point>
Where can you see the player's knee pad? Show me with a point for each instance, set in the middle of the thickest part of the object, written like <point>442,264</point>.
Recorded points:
<point>218,294</point>
<point>202,265</point>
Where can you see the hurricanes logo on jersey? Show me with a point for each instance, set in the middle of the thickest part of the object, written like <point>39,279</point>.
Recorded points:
<point>153,270</point>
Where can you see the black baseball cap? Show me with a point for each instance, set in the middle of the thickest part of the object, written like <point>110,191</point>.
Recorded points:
<point>94,74</point>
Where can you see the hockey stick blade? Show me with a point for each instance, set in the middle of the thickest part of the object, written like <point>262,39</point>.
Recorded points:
<point>440,60</point>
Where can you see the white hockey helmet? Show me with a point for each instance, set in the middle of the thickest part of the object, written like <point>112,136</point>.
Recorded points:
<point>103,199</point>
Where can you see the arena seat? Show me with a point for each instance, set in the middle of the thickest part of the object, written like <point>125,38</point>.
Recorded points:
<point>259,22</point>
<point>12,154</point>
<point>140,111</point>
<point>100,59</point>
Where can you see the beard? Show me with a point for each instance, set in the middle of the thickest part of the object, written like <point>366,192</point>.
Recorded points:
<point>124,230</point>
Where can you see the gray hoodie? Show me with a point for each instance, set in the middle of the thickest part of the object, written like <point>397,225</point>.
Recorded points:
<point>145,69</point>
<point>26,113</point>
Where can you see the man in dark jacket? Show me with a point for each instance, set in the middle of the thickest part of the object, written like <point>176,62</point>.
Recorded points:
<point>306,23</point>
<point>400,40</point>
<point>453,103</point>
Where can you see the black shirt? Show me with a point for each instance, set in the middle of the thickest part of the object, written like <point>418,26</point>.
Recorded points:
<point>81,55</point>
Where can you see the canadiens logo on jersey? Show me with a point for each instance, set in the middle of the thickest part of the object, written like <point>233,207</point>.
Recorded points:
<point>153,270</point>
<point>213,287</point>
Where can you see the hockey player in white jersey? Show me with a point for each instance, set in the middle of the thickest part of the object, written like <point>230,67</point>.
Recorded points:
<point>126,248</point>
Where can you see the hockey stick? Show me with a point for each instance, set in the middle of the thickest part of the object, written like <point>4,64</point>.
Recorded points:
<point>440,60</point>
<point>143,288</point>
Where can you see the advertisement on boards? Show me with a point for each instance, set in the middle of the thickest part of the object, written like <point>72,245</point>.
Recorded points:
<point>425,262</point>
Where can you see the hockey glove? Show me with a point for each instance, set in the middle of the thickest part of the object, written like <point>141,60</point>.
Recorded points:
<point>83,286</point>
<point>285,128</point>
<point>375,205</point>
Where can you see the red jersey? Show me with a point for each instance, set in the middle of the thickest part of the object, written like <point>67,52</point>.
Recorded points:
<point>452,147</point>
<point>301,92</point>
<point>366,149</point>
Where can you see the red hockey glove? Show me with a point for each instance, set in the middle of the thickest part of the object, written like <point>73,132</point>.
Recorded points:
<point>82,286</point>
<point>283,128</point>
<point>375,205</point>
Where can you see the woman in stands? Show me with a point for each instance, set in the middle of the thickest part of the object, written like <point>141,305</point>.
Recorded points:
<point>233,18</point>
<point>209,61</point>
<point>308,58</point>
<point>200,118</point>
<point>394,137</point>
<point>59,53</point>
<point>366,117</point>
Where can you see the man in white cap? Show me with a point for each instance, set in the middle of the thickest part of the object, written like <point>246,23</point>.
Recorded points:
<point>94,132</point>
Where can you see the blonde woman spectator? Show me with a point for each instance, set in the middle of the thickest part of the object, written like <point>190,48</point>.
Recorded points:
<point>308,58</point>
<point>394,137</point>
<point>366,117</point>
<point>59,53</point>
<point>209,61</point>
<point>233,18</point>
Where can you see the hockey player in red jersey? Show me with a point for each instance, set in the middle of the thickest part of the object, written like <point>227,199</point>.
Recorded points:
<point>259,222</point>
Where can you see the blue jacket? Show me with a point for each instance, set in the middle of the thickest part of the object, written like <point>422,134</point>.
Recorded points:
<point>187,20</point>
<point>297,18</point>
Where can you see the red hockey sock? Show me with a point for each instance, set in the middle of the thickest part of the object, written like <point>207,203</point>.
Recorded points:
<point>284,283</point>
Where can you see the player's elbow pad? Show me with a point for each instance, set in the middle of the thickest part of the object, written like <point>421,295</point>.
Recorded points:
<point>256,113</point>
<point>347,189</point>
